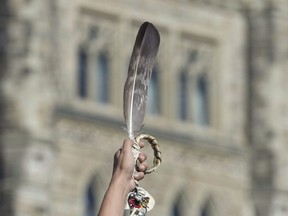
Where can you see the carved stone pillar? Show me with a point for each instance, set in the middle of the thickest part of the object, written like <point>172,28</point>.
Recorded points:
<point>260,57</point>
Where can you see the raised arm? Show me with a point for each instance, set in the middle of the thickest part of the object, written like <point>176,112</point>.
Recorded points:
<point>122,181</point>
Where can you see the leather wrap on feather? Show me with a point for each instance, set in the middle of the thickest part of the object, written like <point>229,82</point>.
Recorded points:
<point>139,74</point>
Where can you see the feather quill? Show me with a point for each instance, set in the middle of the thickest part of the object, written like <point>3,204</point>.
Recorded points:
<point>139,73</point>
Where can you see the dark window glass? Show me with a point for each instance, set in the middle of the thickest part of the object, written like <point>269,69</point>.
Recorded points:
<point>204,212</point>
<point>82,73</point>
<point>176,210</point>
<point>183,88</point>
<point>102,76</point>
<point>206,209</point>
<point>90,200</point>
<point>201,102</point>
<point>153,93</point>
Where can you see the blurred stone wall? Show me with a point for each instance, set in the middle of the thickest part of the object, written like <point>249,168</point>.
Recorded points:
<point>56,144</point>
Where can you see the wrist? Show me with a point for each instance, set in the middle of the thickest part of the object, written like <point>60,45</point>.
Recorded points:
<point>121,183</point>
<point>115,196</point>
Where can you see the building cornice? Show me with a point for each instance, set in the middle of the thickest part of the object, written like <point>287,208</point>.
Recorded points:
<point>208,144</point>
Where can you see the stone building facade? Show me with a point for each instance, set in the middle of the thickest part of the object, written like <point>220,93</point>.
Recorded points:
<point>217,104</point>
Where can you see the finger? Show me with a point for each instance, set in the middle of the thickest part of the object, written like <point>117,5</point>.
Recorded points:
<point>117,153</point>
<point>142,156</point>
<point>139,176</point>
<point>116,159</point>
<point>141,144</point>
<point>142,167</point>
<point>127,144</point>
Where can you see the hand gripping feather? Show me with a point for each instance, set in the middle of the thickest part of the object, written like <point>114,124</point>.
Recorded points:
<point>135,98</point>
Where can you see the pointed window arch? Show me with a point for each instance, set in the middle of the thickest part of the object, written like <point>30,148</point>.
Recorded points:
<point>176,211</point>
<point>95,61</point>
<point>205,211</point>
<point>102,78</point>
<point>207,208</point>
<point>193,90</point>
<point>153,100</point>
<point>93,190</point>
<point>178,206</point>
<point>90,200</point>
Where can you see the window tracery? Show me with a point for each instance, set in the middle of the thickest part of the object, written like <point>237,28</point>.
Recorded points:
<point>194,86</point>
<point>95,59</point>
<point>102,54</point>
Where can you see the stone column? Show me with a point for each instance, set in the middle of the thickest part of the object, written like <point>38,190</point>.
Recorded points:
<point>260,57</point>
<point>27,100</point>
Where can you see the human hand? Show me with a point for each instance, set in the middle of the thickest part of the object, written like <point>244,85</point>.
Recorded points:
<point>122,181</point>
<point>123,168</point>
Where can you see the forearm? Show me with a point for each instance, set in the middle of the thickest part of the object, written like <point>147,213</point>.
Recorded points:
<point>122,181</point>
<point>115,198</point>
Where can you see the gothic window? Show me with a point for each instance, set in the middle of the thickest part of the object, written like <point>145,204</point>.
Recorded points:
<point>82,73</point>
<point>102,76</point>
<point>177,205</point>
<point>95,61</point>
<point>205,212</point>
<point>194,89</point>
<point>153,93</point>
<point>90,200</point>
<point>176,211</point>
<point>206,209</point>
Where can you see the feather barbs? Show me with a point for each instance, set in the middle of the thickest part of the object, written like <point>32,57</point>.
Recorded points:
<point>139,74</point>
